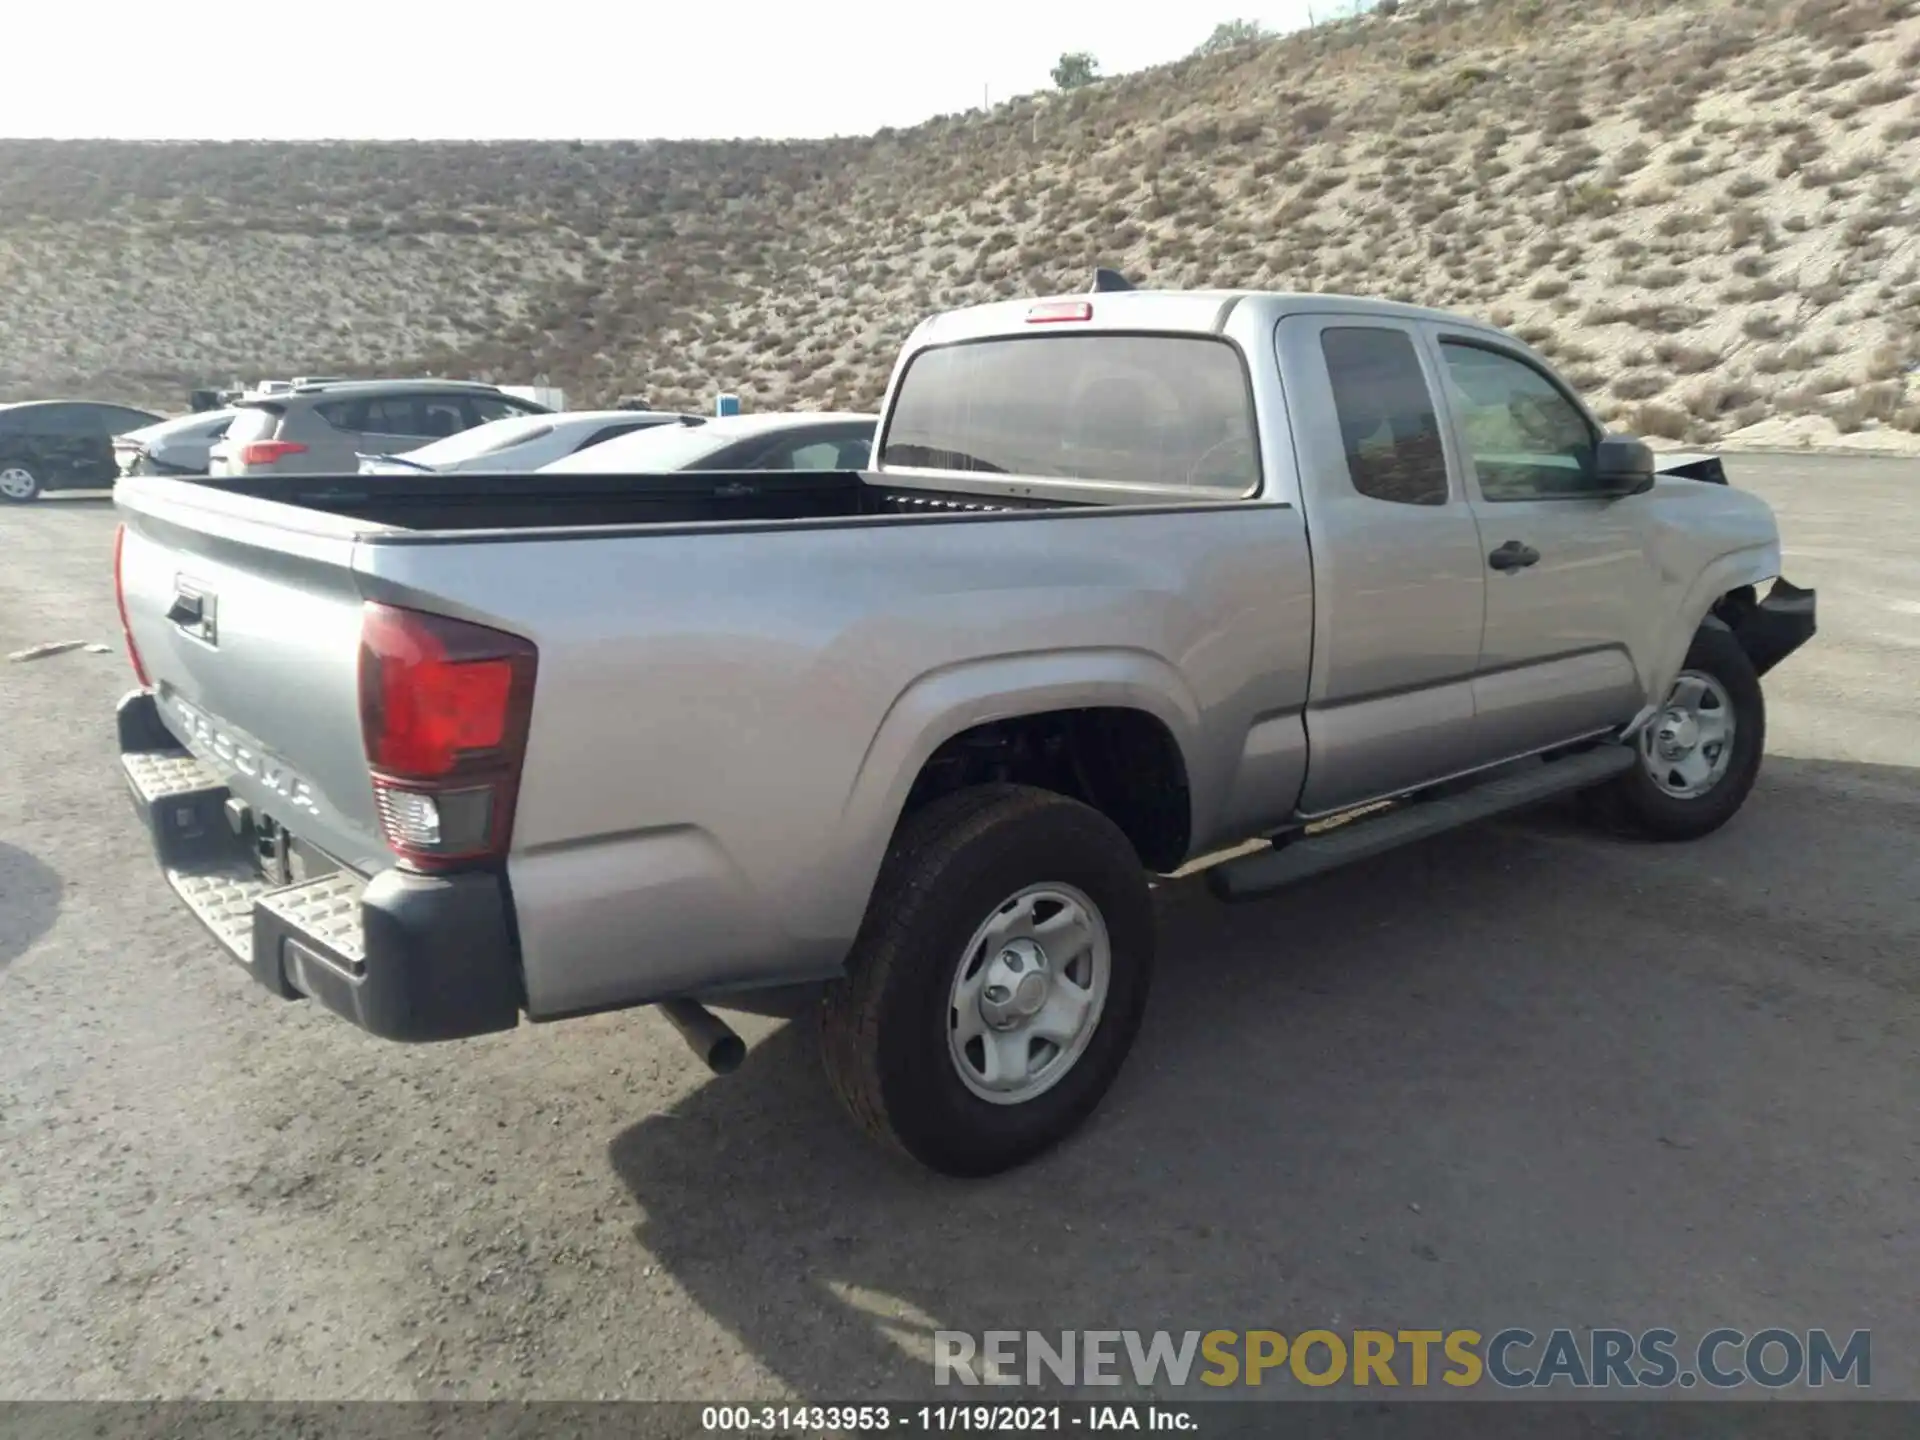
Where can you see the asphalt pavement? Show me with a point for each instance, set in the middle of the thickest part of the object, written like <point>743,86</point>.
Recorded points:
<point>1522,1075</point>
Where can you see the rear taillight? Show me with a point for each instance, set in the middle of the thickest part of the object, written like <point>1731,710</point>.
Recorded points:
<point>265,452</point>
<point>444,706</point>
<point>120,600</point>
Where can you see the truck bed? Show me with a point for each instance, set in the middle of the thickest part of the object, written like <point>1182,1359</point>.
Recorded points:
<point>466,503</point>
<point>739,677</point>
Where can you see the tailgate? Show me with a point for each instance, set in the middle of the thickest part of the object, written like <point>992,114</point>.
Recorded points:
<point>246,615</point>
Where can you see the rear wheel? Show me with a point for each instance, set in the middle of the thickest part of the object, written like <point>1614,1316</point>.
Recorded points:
<point>1700,754</point>
<point>997,983</point>
<point>18,484</point>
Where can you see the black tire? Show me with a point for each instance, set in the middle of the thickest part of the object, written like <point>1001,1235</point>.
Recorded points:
<point>31,492</point>
<point>1633,803</point>
<point>884,1028</point>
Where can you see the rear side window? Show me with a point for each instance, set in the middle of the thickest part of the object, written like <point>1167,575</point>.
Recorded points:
<point>347,415</point>
<point>1135,410</point>
<point>429,416</point>
<point>606,433</point>
<point>254,422</point>
<point>514,435</point>
<point>1388,424</point>
<point>484,409</point>
<point>812,455</point>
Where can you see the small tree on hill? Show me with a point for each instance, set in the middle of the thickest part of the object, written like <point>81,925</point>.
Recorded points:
<point>1231,33</point>
<point>1076,68</point>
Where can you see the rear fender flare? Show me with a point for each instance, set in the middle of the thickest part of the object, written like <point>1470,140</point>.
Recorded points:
<point>940,705</point>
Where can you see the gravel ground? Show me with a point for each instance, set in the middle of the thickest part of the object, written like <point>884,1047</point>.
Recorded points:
<point>1555,1080</point>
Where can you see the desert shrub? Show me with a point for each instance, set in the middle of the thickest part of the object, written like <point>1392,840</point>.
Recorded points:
<point>1761,325</point>
<point>1661,422</point>
<point>1885,362</point>
<point>1798,153</point>
<point>1747,226</point>
<point>1790,358</point>
<point>1686,359</point>
<point>1633,156</point>
<point>1665,110</point>
<point>1640,385</point>
<point>1713,399</point>
<point>1841,71</point>
<point>1563,119</point>
<point>1878,403</point>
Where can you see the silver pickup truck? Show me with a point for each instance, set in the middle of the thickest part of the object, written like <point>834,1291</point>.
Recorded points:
<point>1137,579</point>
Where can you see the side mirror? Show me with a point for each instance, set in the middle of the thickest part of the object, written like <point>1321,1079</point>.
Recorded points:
<point>1622,465</point>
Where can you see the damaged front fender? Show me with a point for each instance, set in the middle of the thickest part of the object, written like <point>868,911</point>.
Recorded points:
<point>1777,626</point>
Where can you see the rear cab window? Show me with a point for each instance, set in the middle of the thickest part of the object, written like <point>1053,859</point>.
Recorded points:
<point>1145,412</point>
<point>1389,427</point>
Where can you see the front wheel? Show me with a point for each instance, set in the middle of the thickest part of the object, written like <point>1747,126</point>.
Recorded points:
<point>1700,754</point>
<point>998,980</point>
<point>18,484</point>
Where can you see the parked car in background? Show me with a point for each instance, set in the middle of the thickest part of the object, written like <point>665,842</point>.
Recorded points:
<point>181,446</point>
<point>806,440</point>
<point>61,445</point>
<point>520,442</point>
<point>323,429</point>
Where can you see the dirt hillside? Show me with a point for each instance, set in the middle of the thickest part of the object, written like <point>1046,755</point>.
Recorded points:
<point>1707,211</point>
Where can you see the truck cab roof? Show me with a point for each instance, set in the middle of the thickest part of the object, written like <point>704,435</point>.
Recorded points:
<point>1165,311</point>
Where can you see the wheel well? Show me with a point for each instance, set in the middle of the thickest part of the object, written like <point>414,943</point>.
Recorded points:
<point>1124,763</point>
<point>1734,606</point>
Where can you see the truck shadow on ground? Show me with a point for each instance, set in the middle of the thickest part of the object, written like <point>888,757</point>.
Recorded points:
<point>1522,1074</point>
<point>30,895</point>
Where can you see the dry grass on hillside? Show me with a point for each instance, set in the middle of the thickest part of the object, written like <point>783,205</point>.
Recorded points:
<point>1708,211</point>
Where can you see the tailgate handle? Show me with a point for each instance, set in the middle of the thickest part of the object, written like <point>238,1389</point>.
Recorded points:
<point>186,610</point>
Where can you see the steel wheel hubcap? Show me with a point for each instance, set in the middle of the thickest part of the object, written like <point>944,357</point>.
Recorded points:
<point>1028,993</point>
<point>16,482</point>
<point>1688,746</point>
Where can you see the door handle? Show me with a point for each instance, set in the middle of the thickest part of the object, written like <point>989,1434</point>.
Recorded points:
<point>1513,556</point>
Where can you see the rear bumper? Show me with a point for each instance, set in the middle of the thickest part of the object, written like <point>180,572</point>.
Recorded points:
<point>403,956</point>
<point>1777,626</point>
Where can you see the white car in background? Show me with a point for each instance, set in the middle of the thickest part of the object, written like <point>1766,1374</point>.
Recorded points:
<point>180,446</point>
<point>802,440</point>
<point>520,442</point>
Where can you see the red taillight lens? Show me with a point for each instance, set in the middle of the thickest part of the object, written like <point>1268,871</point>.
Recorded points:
<point>120,602</point>
<point>1054,312</point>
<point>444,707</point>
<point>265,452</point>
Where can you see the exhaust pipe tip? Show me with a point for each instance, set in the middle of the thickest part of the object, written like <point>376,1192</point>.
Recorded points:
<point>720,1049</point>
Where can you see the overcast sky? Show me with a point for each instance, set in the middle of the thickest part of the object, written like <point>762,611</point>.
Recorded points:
<point>427,69</point>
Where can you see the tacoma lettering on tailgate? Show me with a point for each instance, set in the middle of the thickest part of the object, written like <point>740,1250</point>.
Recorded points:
<point>249,760</point>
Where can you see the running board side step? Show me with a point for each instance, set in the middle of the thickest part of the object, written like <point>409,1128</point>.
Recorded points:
<point>1265,871</point>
